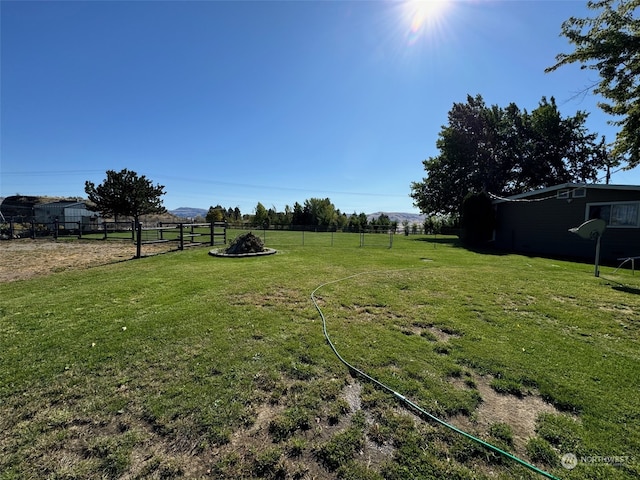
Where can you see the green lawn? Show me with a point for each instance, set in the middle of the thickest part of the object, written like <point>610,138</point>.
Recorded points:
<point>185,365</point>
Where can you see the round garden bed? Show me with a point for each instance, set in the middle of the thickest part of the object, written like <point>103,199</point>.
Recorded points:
<point>245,245</point>
<point>221,253</point>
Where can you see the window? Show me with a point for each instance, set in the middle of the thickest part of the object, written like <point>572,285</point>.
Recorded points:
<point>563,193</point>
<point>579,193</point>
<point>616,214</point>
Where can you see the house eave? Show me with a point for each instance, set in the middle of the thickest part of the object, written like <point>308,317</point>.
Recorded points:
<point>555,188</point>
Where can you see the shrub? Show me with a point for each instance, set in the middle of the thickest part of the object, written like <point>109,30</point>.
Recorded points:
<point>477,220</point>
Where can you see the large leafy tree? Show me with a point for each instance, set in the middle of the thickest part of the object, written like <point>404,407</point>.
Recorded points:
<point>124,193</point>
<point>504,151</point>
<point>610,44</point>
<point>556,149</point>
<point>321,212</point>
<point>261,217</point>
<point>215,214</point>
<point>317,212</point>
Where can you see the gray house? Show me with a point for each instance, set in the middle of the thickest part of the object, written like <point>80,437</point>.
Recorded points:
<point>66,213</point>
<point>538,222</point>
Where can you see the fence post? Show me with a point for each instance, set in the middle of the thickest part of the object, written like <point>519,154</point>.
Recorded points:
<point>79,229</point>
<point>104,224</point>
<point>139,241</point>
<point>225,232</point>
<point>390,238</point>
<point>55,229</point>
<point>181,245</point>
<point>213,231</point>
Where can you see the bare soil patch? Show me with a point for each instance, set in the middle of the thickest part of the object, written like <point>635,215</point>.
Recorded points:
<point>520,413</point>
<point>247,443</point>
<point>25,258</point>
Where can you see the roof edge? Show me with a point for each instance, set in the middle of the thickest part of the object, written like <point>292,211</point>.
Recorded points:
<point>595,186</point>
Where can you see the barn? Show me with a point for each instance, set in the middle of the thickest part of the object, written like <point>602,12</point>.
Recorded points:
<point>66,213</point>
<point>538,222</point>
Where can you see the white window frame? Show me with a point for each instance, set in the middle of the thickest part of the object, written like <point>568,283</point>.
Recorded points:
<point>612,204</point>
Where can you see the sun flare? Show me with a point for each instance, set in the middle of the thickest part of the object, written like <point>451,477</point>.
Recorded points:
<point>422,16</point>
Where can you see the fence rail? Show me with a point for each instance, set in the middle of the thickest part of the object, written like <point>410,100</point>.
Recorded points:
<point>32,229</point>
<point>181,234</point>
<point>302,236</point>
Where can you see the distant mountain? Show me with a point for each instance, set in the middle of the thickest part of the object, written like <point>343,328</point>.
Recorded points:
<point>400,217</point>
<point>189,212</point>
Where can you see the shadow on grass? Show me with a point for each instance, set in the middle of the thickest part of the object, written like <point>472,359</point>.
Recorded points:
<point>457,243</point>
<point>439,240</point>
<point>489,249</point>
<point>626,289</point>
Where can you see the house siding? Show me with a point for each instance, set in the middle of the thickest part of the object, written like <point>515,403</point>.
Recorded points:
<point>542,227</point>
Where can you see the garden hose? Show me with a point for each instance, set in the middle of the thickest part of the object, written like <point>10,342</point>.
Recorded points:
<point>404,399</point>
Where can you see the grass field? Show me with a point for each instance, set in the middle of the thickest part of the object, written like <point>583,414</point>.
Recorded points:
<point>183,365</point>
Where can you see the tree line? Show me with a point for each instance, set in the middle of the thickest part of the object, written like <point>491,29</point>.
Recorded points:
<point>126,194</point>
<point>319,213</point>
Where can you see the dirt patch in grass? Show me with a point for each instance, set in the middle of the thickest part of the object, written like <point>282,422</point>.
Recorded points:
<point>297,456</point>
<point>373,454</point>
<point>277,297</point>
<point>520,413</point>
<point>25,258</point>
<point>442,334</point>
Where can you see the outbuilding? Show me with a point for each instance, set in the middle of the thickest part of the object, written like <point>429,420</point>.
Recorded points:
<point>538,222</point>
<point>67,213</point>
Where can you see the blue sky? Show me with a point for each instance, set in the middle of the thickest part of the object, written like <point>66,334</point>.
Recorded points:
<point>235,103</point>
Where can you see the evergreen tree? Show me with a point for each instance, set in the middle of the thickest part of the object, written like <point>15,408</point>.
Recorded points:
<point>125,193</point>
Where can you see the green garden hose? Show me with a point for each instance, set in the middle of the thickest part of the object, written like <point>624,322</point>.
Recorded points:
<point>404,399</point>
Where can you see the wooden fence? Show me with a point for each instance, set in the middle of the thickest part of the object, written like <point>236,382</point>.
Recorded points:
<point>181,234</point>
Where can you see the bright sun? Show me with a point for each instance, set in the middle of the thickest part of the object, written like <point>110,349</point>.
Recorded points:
<point>423,16</point>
